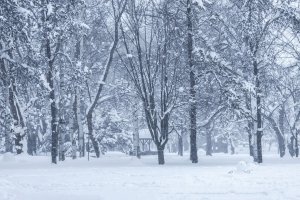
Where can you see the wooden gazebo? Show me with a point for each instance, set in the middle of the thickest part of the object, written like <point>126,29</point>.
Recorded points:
<point>145,140</point>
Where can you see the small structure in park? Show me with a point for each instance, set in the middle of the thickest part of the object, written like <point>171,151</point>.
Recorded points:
<point>145,140</point>
<point>145,143</point>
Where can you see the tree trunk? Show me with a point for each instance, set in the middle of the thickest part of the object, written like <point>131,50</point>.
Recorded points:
<point>75,126</point>
<point>161,157</point>
<point>250,144</point>
<point>77,106</point>
<point>280,137</point>
<point>281,145</point>
<point>53,125</point>
<point>258,113</point>
<point>80,128</point>
<point>136,135</point>
<point>74,149</point>
<point>17,128</point>
<point>279,133</point>
<point>296,144</point>
<point>193,122</point>
<point>54,121</point>
<point>108,63</point>
<point>61,133</point>
<point>208,143</point>
<point>91,136</point>
<point>291,146</point>
<point>18,123</point>
<point>232,147</point>
<point>31,143</point>
<point>8,136</point>
<point>180,145</point>
<point>249,129</point>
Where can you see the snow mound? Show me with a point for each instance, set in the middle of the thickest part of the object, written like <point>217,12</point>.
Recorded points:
<point>8,157</point>
<point>243,167</point>
<point>201,152</point>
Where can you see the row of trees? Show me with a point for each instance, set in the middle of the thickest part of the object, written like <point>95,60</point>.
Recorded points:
<point>87,75</point>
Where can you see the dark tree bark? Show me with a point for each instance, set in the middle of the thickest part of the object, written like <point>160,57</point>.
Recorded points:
<point>54,122</point>
<point>31,140</point>
<point>161,156</point>
<point>50,58</point>
<point>193,109</point>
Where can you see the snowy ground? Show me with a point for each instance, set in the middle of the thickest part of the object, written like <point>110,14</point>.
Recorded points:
<point>117,176</point>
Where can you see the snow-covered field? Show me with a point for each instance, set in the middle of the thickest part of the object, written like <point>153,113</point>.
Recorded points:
<point>117,176</point>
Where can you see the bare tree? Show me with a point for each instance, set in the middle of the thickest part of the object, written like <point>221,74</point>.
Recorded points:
<point>118,8</point>
<point>151,65</point>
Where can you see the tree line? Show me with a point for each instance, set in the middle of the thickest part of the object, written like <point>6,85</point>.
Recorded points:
<point>85,75</point>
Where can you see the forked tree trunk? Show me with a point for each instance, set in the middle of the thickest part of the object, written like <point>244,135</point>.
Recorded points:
<point>279,133</point>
